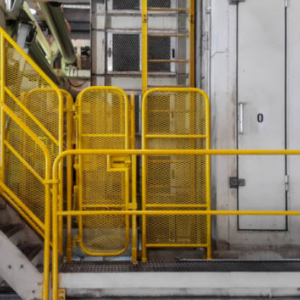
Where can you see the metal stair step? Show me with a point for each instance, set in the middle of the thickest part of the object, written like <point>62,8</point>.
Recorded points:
<point>30,250</point>
<point>2,206</point>
<point>11,229</point>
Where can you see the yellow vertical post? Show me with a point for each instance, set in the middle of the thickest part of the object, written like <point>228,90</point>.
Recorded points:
<point>69,176</point>
<point>55,243</point>
<point>144,178</point>
<point>134,202</point>
<point>133,179</point>
<point>144,46</point>
<point>3,74</point>
<point>61,187</point>
<point>192,43</point>
<point>132,118</point>
<point>47,221</point>
<point>208,199</point>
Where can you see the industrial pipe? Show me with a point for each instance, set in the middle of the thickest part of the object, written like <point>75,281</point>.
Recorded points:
<point>2,14</point>
<point>56,22</point>
<point>37,54</point>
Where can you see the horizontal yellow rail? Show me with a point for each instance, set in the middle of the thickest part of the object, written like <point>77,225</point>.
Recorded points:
<point>180,213</point>
<point>134,153</point>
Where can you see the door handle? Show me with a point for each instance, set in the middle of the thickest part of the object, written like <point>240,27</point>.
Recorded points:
<point>241,118</point>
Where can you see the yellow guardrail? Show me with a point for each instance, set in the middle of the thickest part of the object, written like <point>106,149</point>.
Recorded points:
<point>32,126</point>
<point>176,118</point>
<point>131,155</point>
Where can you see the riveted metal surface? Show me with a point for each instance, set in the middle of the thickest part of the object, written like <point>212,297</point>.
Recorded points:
<point>103,123</point>
<point>176,119</point>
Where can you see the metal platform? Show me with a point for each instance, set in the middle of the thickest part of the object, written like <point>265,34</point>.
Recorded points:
<point>184,266</point>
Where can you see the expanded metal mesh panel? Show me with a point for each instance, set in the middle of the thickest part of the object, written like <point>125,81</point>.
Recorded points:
<point>35,102</point>
<point>126,52</point>
<point>176,120</point>
<point>159,3</point>
<point>126,4</point>
<point>177,230</point>
<point>17,176</point>
<point>135,4</point>
<point>25,185</point>
<point>159,48</point>
<point>103,116</point>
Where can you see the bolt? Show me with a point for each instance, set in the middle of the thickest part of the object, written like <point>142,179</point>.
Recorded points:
<point>21,266</point>
<point>9,266</point>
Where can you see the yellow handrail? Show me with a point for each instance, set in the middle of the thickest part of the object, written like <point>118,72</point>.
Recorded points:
<point>17,202</point>
<point>21,76</point>
<point>123,153</point>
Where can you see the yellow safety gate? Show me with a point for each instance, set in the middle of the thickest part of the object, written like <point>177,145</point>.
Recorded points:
<point>103,122</point>
<point>176,119</point>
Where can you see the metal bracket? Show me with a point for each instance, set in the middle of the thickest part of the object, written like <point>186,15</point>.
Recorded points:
<point>118,164</point>
<point>235,182</point>
<point>145,18</point>
<point>233,2</point>
<point>61,294</point>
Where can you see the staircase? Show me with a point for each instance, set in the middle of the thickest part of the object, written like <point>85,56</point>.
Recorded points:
<point>23,249</point>
<point>32,111</point>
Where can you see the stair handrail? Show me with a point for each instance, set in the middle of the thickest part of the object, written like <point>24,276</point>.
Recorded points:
<point>17,203</point>
<point>14,200</point>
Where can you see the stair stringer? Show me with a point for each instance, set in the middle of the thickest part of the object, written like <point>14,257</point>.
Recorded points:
<point>18,271</point>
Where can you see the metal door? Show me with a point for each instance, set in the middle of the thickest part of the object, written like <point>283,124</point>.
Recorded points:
<point>262,111</point>
<point>103,123</point>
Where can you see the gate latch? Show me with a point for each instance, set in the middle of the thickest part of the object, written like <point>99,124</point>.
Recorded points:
<point>118,163</point>
<point>235,182</point>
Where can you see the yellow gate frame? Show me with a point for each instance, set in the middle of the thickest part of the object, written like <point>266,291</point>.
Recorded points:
<point>189,132</point>
<point>118,169</point>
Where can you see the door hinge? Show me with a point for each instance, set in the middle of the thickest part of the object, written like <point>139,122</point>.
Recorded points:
<point>287,182</point>
<point>232,2</point>
<point>235,182</point>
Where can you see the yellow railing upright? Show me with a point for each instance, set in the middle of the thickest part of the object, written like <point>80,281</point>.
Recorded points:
<point>32,136</point>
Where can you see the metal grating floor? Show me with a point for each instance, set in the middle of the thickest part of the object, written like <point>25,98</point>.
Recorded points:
<point>184,266</point>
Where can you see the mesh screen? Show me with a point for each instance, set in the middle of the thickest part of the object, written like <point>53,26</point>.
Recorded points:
<point>27,89</point>
<point>126,4</point>
<point>176,182</point>
<point>135,4</point>
<point>102,115</point>
<point>159,48</point>
<point>159,3</point>
<point>126,52</point>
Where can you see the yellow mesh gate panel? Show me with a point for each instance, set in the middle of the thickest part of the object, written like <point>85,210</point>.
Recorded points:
<point>175,119</point>
<point>103,123</point>
<point>28,99</point>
